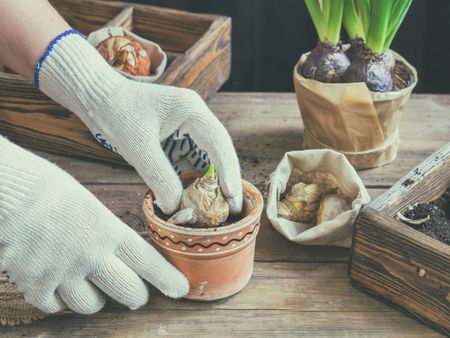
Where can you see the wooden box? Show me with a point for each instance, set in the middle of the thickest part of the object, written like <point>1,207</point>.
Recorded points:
<point>398,264</point>
<point>199,57</point>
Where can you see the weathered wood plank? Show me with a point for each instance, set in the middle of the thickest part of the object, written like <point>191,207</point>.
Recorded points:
<point>185,70</point>
<point>174,30</point>
<point>276,127</point>
<point>87,16</point>
<point>422,184</point>
<point>398,264</point>
<point>123,19</point>
<point>225,323</point>
<point>386,260</point>
<point>281,299</point>
<point>294,291</point>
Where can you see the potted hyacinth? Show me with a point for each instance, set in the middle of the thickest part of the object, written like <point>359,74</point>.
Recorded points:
<point>213,249</point>
<point>351,96</point>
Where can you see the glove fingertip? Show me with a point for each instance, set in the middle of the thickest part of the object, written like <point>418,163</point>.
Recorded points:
<point>52,304</point>
<point>178,287</point>
<point>235,204</point>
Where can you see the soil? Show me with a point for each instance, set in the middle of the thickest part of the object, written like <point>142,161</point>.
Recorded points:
<point>407,182</point>
<point>401,76</point>
<point>438,224</point>
<point>230,220</point>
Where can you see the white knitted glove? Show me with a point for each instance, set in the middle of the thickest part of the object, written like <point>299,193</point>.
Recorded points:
<point>184,155</point>
<point>61,246</point>
<point>133,118</point>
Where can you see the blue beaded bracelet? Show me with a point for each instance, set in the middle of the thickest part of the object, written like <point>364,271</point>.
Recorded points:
<point>49,50</point>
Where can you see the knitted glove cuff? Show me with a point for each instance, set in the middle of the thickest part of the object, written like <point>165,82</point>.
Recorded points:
<point>73,73</point>
<point>49,50</point>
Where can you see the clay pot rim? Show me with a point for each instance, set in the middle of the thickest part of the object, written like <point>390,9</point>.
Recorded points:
<point>248,189</point>
<point>376,96</point>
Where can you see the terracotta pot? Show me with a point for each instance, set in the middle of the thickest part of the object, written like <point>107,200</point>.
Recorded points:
<point>218,262</point>
<point>350,119</point>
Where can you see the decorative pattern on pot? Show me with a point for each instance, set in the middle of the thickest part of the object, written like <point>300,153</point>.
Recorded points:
<point>204,245</point>
<point>218,261</point>
<point>348,118</point>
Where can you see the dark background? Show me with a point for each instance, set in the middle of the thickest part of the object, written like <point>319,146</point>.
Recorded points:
<point>270,35</point>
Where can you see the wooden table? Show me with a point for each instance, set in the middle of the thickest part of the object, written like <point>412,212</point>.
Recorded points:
<point>295,290</point>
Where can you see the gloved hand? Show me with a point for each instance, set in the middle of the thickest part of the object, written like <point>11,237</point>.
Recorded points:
<point>184,155</point>
<point>61,246</point>
<point>133,118</point>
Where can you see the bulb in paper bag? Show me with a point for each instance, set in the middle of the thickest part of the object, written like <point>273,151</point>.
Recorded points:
<point>126,54</point>
<point>332,206</point>
<point>301,203</point>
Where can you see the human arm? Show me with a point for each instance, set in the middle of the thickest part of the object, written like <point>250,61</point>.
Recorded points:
<point>131,118</point>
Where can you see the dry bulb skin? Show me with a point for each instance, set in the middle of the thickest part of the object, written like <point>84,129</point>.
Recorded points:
<point>326,63</point>
<point>126,54</point>
<point>373,69</point>
<point>331,206</point>
<point>301,203</point>
<point>308,203</point>
<point>202,203</point>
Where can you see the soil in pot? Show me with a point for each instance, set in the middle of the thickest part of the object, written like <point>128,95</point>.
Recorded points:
<point>230,220</point>
<point>402,76</point>
<point>436,216</point>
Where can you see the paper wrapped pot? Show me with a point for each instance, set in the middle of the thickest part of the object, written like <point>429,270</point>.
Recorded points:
<point>349,118</point>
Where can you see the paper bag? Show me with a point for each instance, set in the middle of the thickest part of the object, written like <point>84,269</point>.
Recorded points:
<point>331,170</point>
<point>349,118</point>
<point>158,57</point>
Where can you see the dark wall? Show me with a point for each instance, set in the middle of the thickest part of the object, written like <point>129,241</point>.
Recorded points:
<point>269,36</point>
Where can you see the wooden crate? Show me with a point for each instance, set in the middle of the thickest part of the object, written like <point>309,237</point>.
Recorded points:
<point>199,53</point>
<point>398,264</point>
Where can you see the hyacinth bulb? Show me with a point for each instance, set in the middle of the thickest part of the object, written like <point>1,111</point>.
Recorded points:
<point>332,206</point>
<point>126,54</point>
<point>202,203</point>
<point>301,203</point>
<point>325,63</point>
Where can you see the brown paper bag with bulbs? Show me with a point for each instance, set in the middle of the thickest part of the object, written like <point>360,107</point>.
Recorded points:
<point>348,118</point>
<point>314,197</point>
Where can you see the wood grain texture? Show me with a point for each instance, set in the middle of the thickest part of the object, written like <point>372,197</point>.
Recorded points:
<point>123,19</point>
<point>276,128</point>
<point>87,16</point>
<point>282,299</point>
<point>295,290</point>
<point>174,30</point>
<point>387,255</point>
<point>424,183</point>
